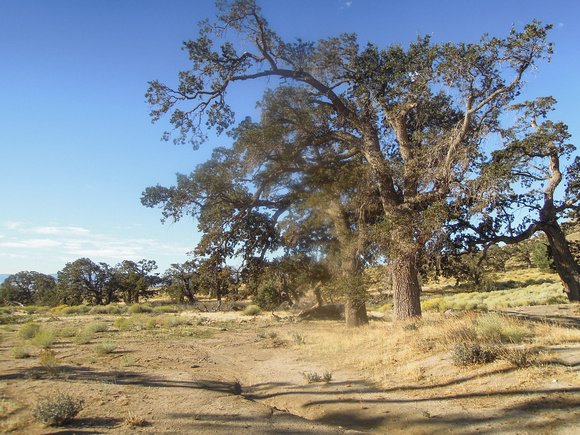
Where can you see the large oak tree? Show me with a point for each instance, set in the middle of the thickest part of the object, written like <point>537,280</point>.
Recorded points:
<point>416,117</point>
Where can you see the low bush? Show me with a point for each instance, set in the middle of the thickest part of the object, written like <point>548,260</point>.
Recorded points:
<point>140,308</point>
<point>28,330</point>
<point>49,361</point>
<point>58,410</point>
<point>43,338</point>
<point>252,310</point>
<point>172,321</point>
<point>21,352</point>
<point>84,336</point>
<point>97,327</point>
<point>472,353</point>
<point>105,347</point>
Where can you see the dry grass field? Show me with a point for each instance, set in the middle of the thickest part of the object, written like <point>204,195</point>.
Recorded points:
<point>160,369</point>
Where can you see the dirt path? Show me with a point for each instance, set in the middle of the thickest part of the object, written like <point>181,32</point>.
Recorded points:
<point>242,380</point>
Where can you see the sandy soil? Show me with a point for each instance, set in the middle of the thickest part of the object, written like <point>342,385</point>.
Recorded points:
<point>234,375</point>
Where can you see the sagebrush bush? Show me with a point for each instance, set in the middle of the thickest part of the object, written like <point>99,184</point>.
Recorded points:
<point>67,332</point>
<point>472,353</point>
<point>106,309</point>
<point>28,330</point>
<point>140,308</point>
<point>105,347</point>
<point>43,338</point>
<point>58,410</point>
<point>97,327</point>
<point>21,352</point>
<point>252,310</point>
<point>84,336</point>
<point>172,321</point>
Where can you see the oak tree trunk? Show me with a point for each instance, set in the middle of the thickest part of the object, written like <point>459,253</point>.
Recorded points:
<point>406,288</point>
<point>355,312</point>
<point>566,266</point>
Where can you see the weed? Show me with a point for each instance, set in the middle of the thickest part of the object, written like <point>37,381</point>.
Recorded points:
<point>252,310</point>
<point>133,420</point>
<point>312,377</point>
<point>28,330</point>
<point>472,353</point>
<point>105,347</point>
<point>272,335</point>
<point>58,410</point>
<point>520,357</point>
<point>299,338</point>
<point>327,377</point>
<point>127,361</point>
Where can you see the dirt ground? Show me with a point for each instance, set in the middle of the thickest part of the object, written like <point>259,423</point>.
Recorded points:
<point>233,375</point>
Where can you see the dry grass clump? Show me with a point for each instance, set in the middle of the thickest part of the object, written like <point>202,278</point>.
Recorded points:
<point>173,321</point>
<point>135,323</point>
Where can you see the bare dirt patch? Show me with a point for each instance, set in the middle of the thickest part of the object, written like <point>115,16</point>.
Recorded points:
<point>234,374</point>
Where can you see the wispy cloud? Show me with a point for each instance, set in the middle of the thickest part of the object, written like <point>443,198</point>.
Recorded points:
<point>61,244</point>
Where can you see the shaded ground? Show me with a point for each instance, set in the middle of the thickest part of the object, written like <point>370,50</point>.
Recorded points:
<point>240,376</point>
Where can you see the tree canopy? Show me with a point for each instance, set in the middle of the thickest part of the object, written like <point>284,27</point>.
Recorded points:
<point>387,137</point>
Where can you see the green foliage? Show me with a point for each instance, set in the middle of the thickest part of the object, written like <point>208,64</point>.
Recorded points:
<point>313,377</point>
<point>542,258</point>
<point>268,297</point>
<point>472,353</point>
<point>496,328</point>
<point>540,294</point>
<point>58,410</point>
<point>252,310</point>
<point>28,288</point>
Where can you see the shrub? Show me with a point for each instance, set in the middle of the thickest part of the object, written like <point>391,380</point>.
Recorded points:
<point>8,319</point>
<point>49,361</point>
<point>105,347</point>
<point>58,410</point>
<point>97,327</point>
<point>519,357</point>
<point>44,338</point>
<point>69,331</point>
<point>252,310</point>
<point>315,377</point>
<point>472,353</point>
<point>106,309</point>
<point>84,336</point>
<point>20,352</point>
<point>140,308</point>
<point>28,330</point>
<point>172,321</point>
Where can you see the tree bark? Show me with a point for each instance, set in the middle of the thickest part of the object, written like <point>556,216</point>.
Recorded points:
<point>355,312</point>
<point>566,266</point>
<point>406,288</point>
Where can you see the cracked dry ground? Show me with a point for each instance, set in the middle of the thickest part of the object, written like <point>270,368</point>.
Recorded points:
<point>189,382</point>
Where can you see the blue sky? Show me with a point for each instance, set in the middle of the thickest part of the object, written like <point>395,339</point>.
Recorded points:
<point>77,147</point>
